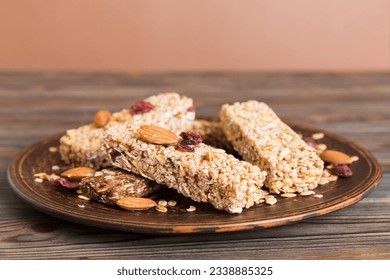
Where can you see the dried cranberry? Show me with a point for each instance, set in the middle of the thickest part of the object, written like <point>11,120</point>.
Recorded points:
<point>310,141</point>
<point>114,154</point>
<point>62,182</point>
<point>191,109</point>
<point>184,146</point>
<point>341,170</point>
<point>192,136</point>
<point>141,107</point>
<point>190,140</point>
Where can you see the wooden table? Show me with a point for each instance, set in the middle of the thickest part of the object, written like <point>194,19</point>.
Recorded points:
<point>35,105</point>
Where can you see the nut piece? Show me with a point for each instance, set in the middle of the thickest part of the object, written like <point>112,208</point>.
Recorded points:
<point>136,203</point>
<point>78,173</point>
<point>102,118</point>
<point>332,156</point>
<point>157,135</point>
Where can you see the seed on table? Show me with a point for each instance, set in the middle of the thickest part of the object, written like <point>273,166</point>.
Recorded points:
<point>333,178</point>
<point>306,193</point>
<point>55,167</point>
<point>83,197</point>
<point>323,181</point>
<point>191,208</point>
<point>38,180</point>
<point>318,135</point>
<point>321,147</point>
<point>53,149</point>
<point>354,158</point>
<point>318,195</point>
<point>172,203</point>
<point>288,195</point>
<point>161,208</point>
<point>163,203</point>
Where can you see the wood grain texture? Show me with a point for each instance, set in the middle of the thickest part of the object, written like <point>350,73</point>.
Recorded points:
<point>356,106</point>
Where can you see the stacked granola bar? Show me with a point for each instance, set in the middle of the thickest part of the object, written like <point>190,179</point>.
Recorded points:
<point>261,138</point>
<point>83,146</point>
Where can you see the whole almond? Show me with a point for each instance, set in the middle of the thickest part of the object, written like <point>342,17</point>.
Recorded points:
<point>332,156</point>
<point>157,135</point>
<point>136,203</point>
<point>78,173</point>
<point>102,118</point>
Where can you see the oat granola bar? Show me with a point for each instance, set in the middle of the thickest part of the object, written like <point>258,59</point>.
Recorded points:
<point>110,185</point>
<point>261,138</point>
<point>205,175</point>
<point>84,147</point>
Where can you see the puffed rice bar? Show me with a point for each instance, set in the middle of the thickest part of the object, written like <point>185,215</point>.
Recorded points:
<point>110,185</point>
<point>205,175</point>
<point>261,138</point>
<point>84,146</point>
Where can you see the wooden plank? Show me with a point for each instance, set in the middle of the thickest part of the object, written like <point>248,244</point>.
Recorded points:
<point>34,105</point>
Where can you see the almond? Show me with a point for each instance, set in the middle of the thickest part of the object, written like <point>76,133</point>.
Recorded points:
<point>157,135</point>
<point>78,173</point>
<point>136,203</point>
<point>102,118</point>
<point>331,156</point>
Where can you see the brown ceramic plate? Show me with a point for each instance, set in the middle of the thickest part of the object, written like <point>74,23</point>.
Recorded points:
<point>66,204</point>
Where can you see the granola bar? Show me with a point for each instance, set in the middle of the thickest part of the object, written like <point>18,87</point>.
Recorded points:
<point>261,138</point>
<point>205,175</point>
<point>110,185</point>
<point>84,146</point>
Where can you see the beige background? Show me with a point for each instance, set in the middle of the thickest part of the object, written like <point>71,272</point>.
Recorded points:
<point>341,35</point>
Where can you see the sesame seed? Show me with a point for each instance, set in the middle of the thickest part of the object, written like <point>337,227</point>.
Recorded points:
<point>172,203</point>
<point>38,180</point>
<point>321,147</point>
<point>318,135</point>
<point>306,193</point>
<point>318,195</point>
<point>323,181</point>
<point>191,208</point>
<point>163,203</point>
<point>271,201</point>
<point>83,197</point>
<point>288,195</point>
<point>161,208</point>
<point>55,167</point>
<point>53,149</point>
<point>354,158</point>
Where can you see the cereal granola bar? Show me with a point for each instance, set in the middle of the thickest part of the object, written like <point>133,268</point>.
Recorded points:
<point>261,138</point>
<point>205,175</point>
<point>109,185</point>
<point>84,147</point>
